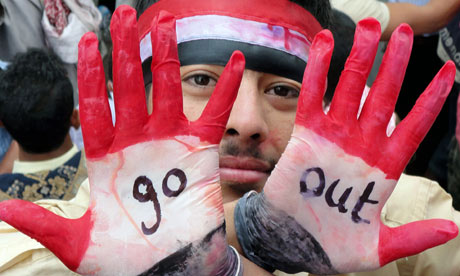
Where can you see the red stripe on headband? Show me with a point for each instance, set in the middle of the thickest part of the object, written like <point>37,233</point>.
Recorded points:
<point>274,12</point>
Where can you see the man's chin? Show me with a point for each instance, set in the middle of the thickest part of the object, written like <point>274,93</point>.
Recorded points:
<point>232,190</point>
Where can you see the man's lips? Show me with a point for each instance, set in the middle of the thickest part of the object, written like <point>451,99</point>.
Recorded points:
<point>243,169</point>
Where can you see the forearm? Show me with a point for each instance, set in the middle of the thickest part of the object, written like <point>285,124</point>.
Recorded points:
<point>232,239</point>
<point>249,268</point>
<point>422,19</point>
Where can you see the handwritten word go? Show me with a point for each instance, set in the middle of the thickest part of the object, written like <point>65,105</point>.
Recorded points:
<point>151,194</point>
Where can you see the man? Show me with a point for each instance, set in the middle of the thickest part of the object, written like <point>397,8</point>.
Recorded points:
<point>278,91</point>
<point>36,107</point>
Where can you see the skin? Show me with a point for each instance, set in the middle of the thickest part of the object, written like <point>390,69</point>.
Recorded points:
<point>6,166</point>
<point>423,19</point>
<point>260,123</point>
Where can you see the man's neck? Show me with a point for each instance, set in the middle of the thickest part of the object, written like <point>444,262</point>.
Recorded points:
<point>33,157</point>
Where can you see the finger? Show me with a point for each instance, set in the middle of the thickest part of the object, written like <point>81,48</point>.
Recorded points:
<point>310,102</point>
<point>411,131</point>
<point>128,84</point>
<point>413,238</point>
<point>347,96</point>
<point>166,81</point>
<point>211,125</point>
<point>457,127</point>
<point>95,116</point>
<point>381,101</point>
<point>68,239</point>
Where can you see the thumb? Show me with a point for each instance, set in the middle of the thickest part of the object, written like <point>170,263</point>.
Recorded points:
<point>413,238</point>
<point>68,239</point>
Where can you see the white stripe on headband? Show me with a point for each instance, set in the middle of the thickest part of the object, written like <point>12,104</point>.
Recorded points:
<point>235,29</point>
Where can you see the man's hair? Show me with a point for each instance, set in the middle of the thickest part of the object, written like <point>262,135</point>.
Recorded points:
<point>343,30</point>
<point>36,101</point>
<point>320,9</point>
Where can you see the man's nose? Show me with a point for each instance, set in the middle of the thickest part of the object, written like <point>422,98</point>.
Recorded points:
<point>247,120</point>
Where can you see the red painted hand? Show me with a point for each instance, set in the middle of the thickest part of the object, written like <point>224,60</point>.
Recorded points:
<point>156,203</point>
<point>339,170</point>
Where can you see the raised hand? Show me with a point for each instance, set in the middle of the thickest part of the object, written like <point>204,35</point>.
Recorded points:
<point>320,208</point>
<point>156,205</point>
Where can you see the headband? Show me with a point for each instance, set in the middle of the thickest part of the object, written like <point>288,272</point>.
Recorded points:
<point>274,35</point>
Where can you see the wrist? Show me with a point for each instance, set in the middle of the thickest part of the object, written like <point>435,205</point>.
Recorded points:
<point>273,240</point>
<point>210,256</point>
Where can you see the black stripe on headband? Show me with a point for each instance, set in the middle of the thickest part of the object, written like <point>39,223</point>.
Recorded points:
<point>218,52</point>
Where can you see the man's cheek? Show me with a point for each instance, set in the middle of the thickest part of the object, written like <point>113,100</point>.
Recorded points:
<point>193,107</point>
<point>278,137</point>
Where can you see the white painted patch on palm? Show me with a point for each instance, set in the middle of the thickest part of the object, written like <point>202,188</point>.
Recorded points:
<point>118,215</point>
<point>340,233</point>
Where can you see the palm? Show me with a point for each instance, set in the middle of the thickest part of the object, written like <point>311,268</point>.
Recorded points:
<point>156,204</point>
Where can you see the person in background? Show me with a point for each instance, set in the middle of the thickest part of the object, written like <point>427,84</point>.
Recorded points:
<point>37,109</point>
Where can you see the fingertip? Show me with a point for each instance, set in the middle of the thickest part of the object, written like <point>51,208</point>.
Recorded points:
<point>87,40</point>
<point>405,29</point>
<point>88,45</point>
<point>5,207</point>
<point>323,40</point>
<point>367,33</point>
<point>123,13</point>
<point>450,69</point>
<point>445,78</point>
<point>238,60</point>
<point>370,26</point>
<point>448,230</point>
<point>123,21</point>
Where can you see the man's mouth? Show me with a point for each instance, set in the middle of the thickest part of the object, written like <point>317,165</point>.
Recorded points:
<point>243,169</point>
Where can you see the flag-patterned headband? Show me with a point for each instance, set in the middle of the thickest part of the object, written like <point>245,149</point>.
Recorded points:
<point>274,35</point>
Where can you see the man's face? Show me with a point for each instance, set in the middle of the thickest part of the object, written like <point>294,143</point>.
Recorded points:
<point>258,129</point>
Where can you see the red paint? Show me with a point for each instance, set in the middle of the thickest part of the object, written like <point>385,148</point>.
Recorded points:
<point>312,212</point>
<point>96,121</point>
<point>289,36</point>
<point>366,138</point>
<point>275,12</point>
<point>413,238</point>
<point>133,124</point>
<point>68,239</point>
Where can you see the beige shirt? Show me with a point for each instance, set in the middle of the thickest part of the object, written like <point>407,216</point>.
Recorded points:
<point>360,9</point>
<point>414,198</point>
<point>25,167</point>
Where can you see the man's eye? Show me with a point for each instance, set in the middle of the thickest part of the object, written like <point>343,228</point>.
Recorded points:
<point>201,80</point>
<point>284,91</point>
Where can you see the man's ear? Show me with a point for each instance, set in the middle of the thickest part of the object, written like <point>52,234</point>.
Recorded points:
<point>1,123</point>
<point>75,119</point>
